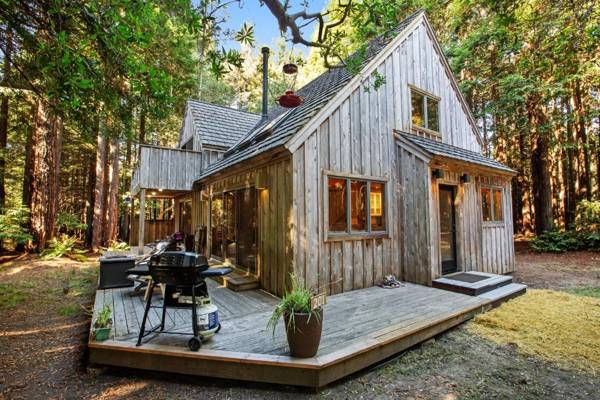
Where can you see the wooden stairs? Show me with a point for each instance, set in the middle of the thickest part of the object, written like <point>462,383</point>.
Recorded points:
<point>473,283</point>
<point>238,280</point>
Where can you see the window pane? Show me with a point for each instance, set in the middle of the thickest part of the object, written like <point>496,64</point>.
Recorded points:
<point>417,108</point>
<point>432,115</point>
<point>337,204</point>
<point>486,206</point>
<point>216,222</point>
<point>358,196</point>
<point>498,215</point>
<point>377,206</point>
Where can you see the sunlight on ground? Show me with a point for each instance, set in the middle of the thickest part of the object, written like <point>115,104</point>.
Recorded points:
<point>556,326</point>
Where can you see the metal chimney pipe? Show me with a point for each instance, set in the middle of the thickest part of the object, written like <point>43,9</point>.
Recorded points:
<point>265,83</point>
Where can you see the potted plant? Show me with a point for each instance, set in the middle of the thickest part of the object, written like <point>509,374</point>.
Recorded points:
<point>103,324</point>
<point>303,323</point>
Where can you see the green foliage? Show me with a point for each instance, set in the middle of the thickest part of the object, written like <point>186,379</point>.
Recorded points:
<point>588,216</point>
<point>118,246</point>
<point>70,310</point>
<point>12,225</point>
<point>64,246</point>
<point>69,223</point>
<point>295,301</point>
<point>11,296</point>
<point>589,291</point>
<point>563,241</point>
<point>103,319</point>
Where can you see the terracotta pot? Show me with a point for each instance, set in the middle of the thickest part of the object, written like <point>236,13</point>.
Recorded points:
<point>305,338</point>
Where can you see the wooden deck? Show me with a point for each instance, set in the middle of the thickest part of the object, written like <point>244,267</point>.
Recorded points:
<point>360,328</point>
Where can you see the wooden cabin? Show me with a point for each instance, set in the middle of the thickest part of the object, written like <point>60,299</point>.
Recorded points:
<point>163,178</point>
<point>360,182</point>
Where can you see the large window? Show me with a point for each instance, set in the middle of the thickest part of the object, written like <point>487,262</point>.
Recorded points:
<point>425,111</point>
<point>491,204</point>
<point>159,209</point>
<point>234,227</point>
<point>355,206</point>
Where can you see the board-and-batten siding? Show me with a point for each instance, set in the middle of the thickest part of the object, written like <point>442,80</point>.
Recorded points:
<point>414,221</point>
<point>357,137</point>
<point>274,196</point>
<point>166,168</point>
<point>480,246</point>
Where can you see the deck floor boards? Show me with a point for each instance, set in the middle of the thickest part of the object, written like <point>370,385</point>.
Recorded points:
<point>364,325</point>
<point>244,316</point>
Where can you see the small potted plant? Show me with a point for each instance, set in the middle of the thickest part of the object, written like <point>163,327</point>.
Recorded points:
<point>303,323</point>
<point>103,324</point>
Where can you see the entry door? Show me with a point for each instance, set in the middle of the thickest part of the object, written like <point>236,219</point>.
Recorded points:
<point>447,229</point>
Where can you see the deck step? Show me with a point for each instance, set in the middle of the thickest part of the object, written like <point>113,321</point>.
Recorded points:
<point>472,283</point>
<point>504,293</point>
<point>237,281</point>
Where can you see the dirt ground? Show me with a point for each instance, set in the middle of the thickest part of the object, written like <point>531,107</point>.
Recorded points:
<point>44,327</point>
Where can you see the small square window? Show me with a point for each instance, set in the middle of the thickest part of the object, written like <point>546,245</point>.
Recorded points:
<point>425,111</point>
<point>492,204</point>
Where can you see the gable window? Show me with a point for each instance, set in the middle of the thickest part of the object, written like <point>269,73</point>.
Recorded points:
<point>355,206</point>
<point>491,204</point>
<point>425,110</point>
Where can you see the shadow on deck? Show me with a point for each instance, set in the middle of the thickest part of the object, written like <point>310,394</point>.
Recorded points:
<point>360,328</point>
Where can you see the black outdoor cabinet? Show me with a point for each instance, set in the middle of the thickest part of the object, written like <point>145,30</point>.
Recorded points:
<point>113,271</point>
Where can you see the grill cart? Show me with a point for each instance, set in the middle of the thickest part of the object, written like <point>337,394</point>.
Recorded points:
<point>184,275</point>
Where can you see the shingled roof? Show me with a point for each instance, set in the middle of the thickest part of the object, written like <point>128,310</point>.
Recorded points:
<point>436,148</point>
<point>219,125</point>
<point>283,123</point>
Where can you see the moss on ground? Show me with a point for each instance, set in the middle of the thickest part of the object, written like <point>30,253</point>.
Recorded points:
<point>556,326</point>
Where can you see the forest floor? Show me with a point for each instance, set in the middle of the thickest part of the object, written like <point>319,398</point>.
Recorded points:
<point>44,329</point>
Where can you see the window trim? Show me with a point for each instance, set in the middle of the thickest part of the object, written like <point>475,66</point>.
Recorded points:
<point>425,95</point>
<point>349,234</point>
<point>492,222</point>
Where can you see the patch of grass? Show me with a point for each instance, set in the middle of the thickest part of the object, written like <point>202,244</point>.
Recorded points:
<point>11,296</point>
<point>556,326</point>
<point>589,291</point>
<point>70,310</point>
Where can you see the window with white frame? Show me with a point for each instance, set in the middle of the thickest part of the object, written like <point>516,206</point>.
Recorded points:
<point>492,204</point>
<point>425,110</point>
<point>355,206</point>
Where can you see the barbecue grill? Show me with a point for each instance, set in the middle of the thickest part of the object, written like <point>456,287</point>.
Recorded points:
<point>184,275</point>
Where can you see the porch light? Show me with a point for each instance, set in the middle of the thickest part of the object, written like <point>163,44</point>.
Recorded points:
<point>438,173</point>
<point>465,178</point>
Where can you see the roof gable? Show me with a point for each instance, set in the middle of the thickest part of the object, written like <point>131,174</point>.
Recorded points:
<point>283,123</point>
<point>217,125</point>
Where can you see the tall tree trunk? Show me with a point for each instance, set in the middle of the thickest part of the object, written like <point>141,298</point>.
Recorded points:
<point>142,132</point>
<point>113,193</point>
<point>585,187</point>
<point>90,200</point>
<point>46,151</point>
<point>540,171</point>
<point>4,116</point>
<point>571,179</point>
<point>99,192</point>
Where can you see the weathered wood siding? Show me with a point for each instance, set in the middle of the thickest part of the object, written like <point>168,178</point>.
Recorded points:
<point>274,183</point>
<point>414,222</point>
<point>153,230</point>
<point>166,168</point>
<point>481,246</point>
<point>357,138</point>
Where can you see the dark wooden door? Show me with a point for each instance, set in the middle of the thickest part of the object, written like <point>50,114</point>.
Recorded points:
<point>447,229</point>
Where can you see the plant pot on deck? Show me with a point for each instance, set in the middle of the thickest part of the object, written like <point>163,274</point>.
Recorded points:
<point>101,334</point>
<point>304,333</point>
